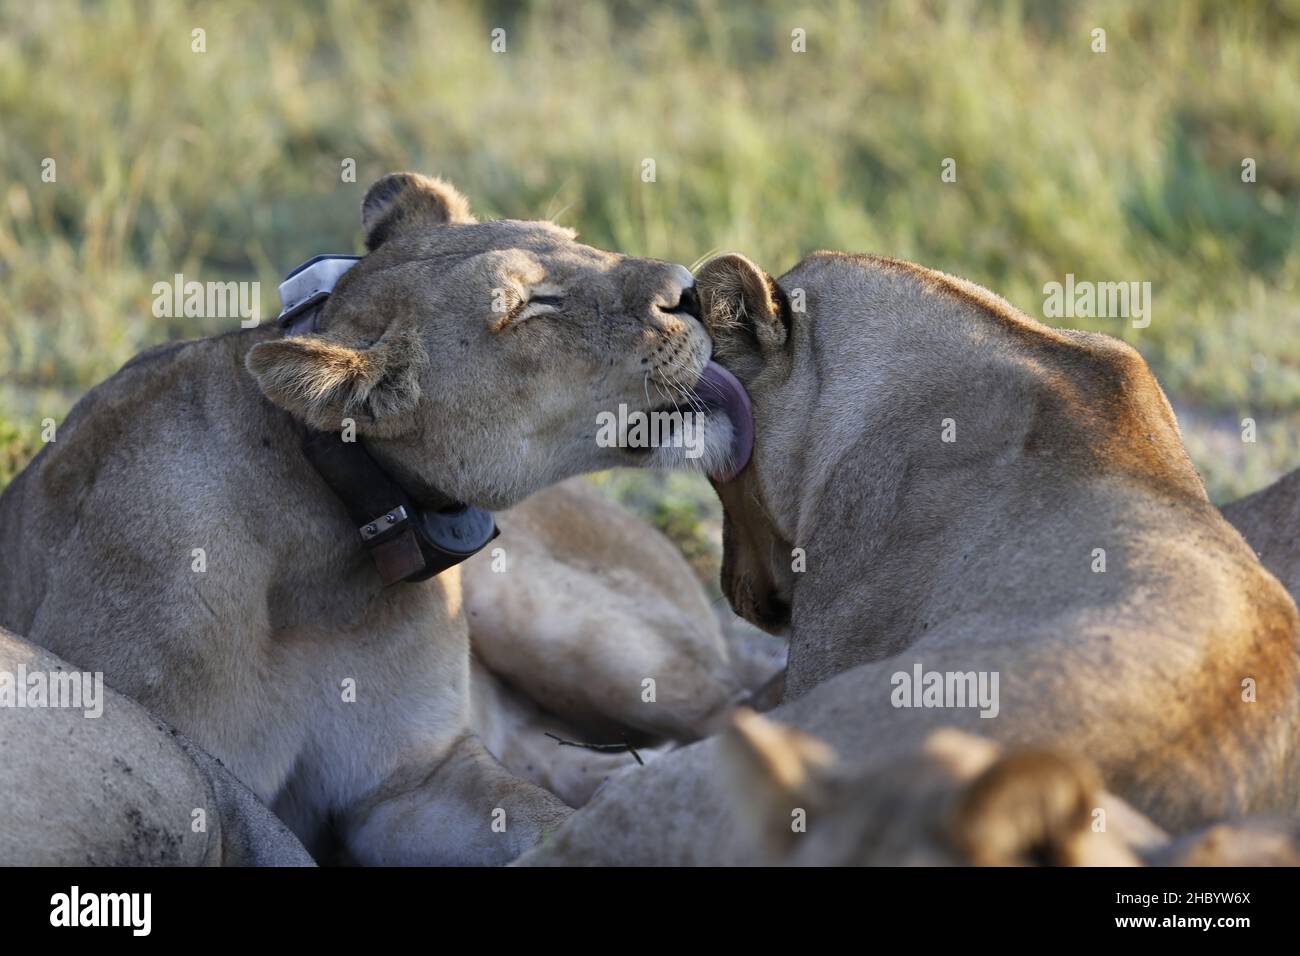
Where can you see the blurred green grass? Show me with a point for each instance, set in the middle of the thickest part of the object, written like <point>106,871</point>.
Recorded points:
<point>1115,166</point>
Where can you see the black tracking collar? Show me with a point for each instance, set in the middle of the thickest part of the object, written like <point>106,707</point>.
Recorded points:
<point>406,542</point>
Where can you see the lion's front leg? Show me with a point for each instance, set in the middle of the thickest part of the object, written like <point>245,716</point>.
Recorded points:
<point>467,810</point>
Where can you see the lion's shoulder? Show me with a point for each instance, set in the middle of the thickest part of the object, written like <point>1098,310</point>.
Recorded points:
<point>163,403</point>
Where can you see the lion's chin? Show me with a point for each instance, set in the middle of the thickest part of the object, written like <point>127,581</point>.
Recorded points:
<point>768,611</point>
<point>712,449</point>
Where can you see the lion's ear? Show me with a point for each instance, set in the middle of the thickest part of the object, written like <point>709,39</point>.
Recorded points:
<point>740,300</point>
<point>402,202</point>
<point>776,772</point>
<point>324,381</point>
<point>1030,808</point>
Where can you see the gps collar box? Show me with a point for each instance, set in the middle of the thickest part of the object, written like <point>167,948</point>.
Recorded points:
<point>406,541</point>
<point>305,289</point>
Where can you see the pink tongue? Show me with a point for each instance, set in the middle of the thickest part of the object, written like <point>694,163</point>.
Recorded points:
<point>718,389</point>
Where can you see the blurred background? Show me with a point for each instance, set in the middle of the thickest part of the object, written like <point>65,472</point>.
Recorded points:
<point>1123,165</point>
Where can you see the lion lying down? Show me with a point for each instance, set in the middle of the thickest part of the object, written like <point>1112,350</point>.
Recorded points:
<point>589,603</point>
<point>960,800</point>
<point>939,481</point>
<point>105,783</point>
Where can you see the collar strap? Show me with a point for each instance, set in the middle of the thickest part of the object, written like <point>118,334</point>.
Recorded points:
<point>406,542</point>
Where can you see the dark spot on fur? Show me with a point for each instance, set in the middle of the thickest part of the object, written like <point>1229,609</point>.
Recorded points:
<point>150,844</point>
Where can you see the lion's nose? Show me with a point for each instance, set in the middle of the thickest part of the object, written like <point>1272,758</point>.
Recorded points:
<point>680,297</point>
<point>687,304</point>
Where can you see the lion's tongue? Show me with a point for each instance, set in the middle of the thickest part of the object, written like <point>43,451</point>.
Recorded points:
<point>718,389</point>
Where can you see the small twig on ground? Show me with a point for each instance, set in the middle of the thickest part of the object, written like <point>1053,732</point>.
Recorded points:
<point>607,748</point>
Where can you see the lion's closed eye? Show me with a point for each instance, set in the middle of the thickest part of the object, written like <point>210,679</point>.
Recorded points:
<point>517,303</point>
<point>539,300</point>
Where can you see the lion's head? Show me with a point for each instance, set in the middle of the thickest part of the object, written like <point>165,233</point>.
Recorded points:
<point>957,799</point>
<point>481,358</point>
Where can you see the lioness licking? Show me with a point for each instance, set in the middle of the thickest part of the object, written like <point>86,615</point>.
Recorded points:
<point>176,538</point>
<point>938,480</point>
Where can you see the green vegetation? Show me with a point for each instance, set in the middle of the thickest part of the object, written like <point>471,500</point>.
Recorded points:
<point>1117,166</point>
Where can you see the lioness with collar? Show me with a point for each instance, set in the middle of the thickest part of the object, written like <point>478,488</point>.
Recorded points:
<point>176,538</point>
<point>939,480</point>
